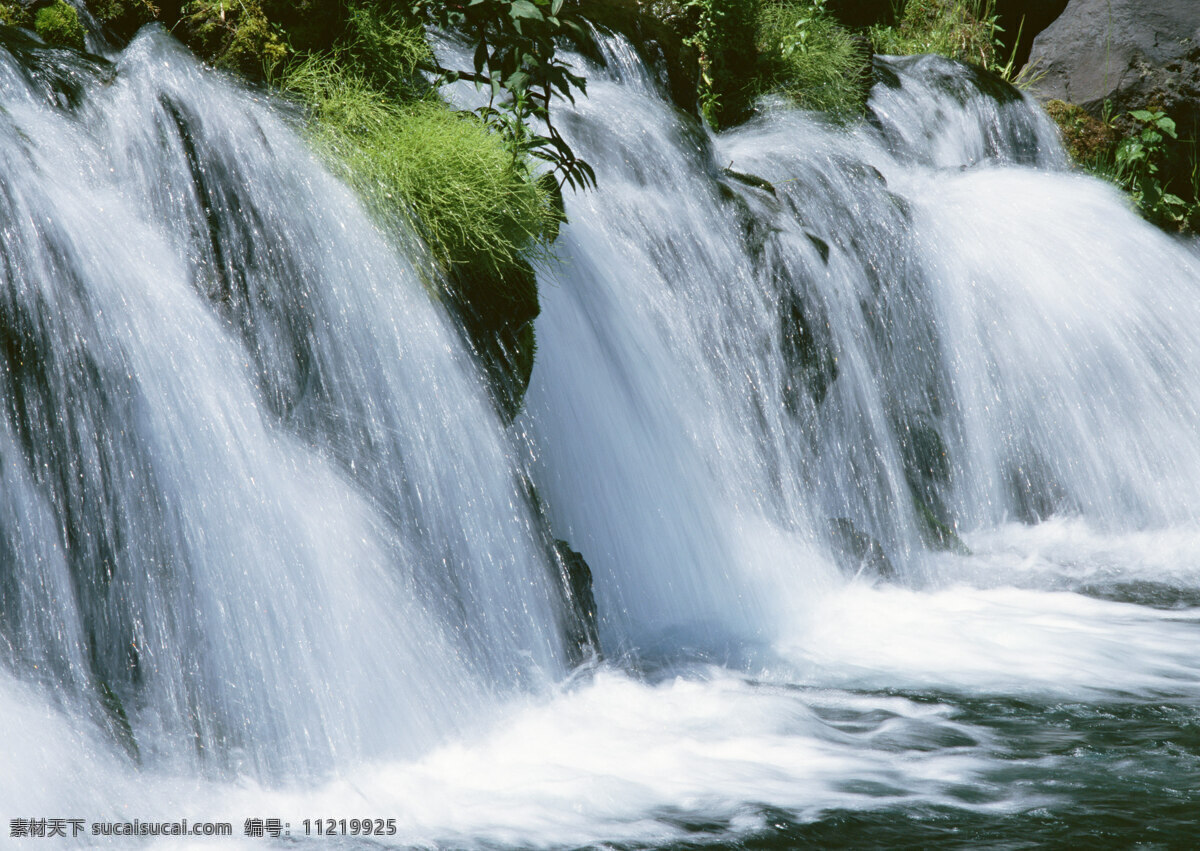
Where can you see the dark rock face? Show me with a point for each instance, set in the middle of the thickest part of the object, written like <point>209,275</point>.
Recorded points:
<point>856,552</point>
<point>1028,16</point>
<point>582,632</point>
<point>1133,53</point>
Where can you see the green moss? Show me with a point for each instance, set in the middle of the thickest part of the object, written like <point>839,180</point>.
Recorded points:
<point>807,56</point>
<point>234,34</point>
<point>959,29</point>
<point>14,15</point>
<point>59,25</point>
<point>1089,140</point>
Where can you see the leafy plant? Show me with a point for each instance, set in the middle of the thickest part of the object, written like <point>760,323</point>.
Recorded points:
<point>724,38</point>
<point>804,21</point>
<point>516,63</point>
<point>1139,161</point>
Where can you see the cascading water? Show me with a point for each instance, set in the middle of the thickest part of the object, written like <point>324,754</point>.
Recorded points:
<point>878,440</point>
<point>261,510</point>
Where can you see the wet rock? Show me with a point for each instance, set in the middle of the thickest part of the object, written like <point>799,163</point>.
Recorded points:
<point>857,552</point>
<point>573,580</point>
<point>927,470</point>
<point>582,633</point>
<point>751,180</point>
<point>807,349</point>
<point>497,308</point>
<point>663,31</point>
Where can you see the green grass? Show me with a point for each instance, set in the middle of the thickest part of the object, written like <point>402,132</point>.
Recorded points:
<point>965,30</point>
<point>805,55</point>
<point>467,199</point>
<point>386,49</point>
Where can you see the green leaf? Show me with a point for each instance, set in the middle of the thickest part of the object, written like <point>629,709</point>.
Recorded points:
<point>517,82</point>
<point>525,9</point>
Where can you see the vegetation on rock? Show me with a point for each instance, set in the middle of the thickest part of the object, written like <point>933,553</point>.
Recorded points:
<point>58,25</point>
<point>1141,152</point>
<point>1087,139</point>
<point>123,17</point>
<point>14,15</point>
<point>724,38</point>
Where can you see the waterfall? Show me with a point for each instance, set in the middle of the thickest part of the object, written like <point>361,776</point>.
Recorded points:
<point>260,510</point>
<point>798,345</point>
<point>878,439</point>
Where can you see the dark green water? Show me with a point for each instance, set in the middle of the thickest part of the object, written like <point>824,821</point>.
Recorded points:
<point>1119,774</point>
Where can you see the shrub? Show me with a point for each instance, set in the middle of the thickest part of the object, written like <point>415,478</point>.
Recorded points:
<point>59,25</point>
<point>812,60</point>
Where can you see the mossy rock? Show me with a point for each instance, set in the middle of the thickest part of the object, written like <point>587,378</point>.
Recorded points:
<point>237,36</point>
<point>1087,139</point>
<point>58,25</point>
<point>15,15</point>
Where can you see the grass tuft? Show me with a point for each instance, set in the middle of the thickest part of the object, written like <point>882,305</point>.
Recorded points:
<point>467,201</point>
<point>808,57</point>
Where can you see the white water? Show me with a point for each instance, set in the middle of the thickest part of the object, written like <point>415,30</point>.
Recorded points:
<point>244,548</point>
<point>324,557</point>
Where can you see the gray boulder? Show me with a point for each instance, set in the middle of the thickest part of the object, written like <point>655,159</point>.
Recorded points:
<point>1133,53</point>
